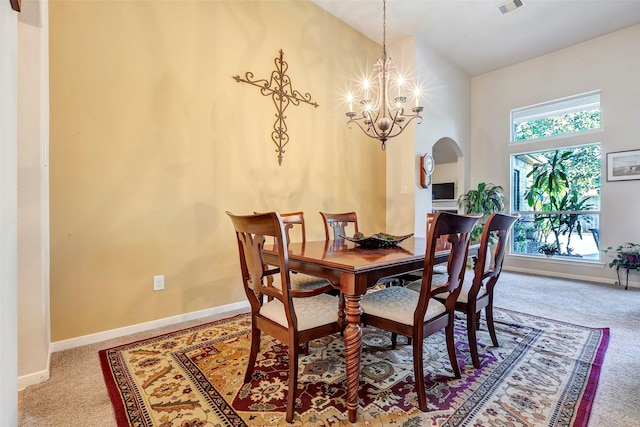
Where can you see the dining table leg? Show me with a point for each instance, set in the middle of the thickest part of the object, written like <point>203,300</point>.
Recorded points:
<point>352,352</point>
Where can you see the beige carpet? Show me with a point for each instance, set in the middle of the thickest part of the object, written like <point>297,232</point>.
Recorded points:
<point>76,395</point>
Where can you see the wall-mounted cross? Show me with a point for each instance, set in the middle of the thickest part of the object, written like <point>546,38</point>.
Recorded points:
<point>282,94</point>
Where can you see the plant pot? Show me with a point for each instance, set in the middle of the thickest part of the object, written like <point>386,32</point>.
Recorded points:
<point>631,258</point>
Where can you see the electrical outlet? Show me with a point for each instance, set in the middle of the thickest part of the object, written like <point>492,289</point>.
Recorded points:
<point>158,283</point>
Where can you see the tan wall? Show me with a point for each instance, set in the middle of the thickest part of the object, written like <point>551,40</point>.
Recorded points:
<point>152,141</point>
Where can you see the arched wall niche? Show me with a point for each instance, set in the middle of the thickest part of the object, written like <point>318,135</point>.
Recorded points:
<point>447,156</point>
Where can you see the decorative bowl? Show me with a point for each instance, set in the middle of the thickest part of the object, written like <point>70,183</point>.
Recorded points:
<point>378,240</point>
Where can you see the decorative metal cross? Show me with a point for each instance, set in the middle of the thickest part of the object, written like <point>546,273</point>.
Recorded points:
<point>281,92</point>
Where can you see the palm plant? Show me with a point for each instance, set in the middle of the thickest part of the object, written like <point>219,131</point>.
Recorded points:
<point>553,192</point>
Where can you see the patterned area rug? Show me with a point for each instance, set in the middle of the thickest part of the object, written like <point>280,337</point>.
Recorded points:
<point>544,373</point>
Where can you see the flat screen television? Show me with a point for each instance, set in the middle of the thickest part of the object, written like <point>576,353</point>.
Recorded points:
<point>443,191</point>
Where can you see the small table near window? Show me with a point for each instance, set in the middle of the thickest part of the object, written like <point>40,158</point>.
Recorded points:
<point>625,266</point>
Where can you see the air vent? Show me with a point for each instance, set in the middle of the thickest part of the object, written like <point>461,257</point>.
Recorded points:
<point>509,6</point>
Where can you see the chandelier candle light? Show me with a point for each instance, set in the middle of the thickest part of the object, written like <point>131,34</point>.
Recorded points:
<point>379,118</point>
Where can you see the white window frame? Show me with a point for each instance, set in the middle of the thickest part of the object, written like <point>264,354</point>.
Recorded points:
<point>570,104</point>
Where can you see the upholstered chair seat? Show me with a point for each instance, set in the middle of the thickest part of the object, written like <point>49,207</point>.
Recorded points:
<point>437,279</point>
<point>398,304</point>
<point>302,282</point>
<point>310,312</point>
<point>440,279</point>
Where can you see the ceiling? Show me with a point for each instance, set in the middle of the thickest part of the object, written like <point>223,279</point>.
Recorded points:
<point>476,36</point>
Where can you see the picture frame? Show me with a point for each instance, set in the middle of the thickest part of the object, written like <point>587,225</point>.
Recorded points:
<point>623,165</point>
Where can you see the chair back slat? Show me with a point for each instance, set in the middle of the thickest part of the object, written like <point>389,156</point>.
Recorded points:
<point>338,222</point>
<point>291,220</point>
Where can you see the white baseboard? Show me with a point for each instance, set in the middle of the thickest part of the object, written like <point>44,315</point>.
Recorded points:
<point>632,284</point>
<point>38,377</point>
<point>141,327</point>
<point>35,377</point>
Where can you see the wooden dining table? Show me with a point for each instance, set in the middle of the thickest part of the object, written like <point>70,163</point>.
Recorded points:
<point>353,269</point>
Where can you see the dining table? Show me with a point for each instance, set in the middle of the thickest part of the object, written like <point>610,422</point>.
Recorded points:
<point>353,269</point>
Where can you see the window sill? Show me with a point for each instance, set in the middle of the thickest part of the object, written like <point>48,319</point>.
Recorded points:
<point>561,260</point>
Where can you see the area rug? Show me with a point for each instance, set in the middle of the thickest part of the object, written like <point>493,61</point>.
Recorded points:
<point>544,373</point>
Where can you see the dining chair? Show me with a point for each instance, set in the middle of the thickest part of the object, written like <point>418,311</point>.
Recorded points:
<point>339,223</point>
<point>292,316</point>
<point>294,221</point>
<point>476,293</point>
<point>417,315</point>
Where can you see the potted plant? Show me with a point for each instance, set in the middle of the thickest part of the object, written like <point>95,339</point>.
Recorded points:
<point>627,255</point>
<point>486,199</point>
<point>549,249</point>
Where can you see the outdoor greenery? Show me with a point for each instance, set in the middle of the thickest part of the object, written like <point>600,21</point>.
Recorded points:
<point>560,184</point>
<point>548,249</point>
<point>557,125</point>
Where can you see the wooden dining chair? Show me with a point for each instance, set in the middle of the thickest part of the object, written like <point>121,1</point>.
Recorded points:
<point>417,315</point>
<point>343,223</point>
<point>294,222</point>
<point>292,316</point>
<point>340,223</point>
<point>477,291</point>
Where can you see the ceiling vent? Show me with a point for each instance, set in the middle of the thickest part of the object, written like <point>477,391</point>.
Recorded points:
<point>510,6</point>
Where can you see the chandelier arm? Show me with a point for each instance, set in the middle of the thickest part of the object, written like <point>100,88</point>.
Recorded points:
<point>362,128</point>
<point>369,129</point>
<point>372,126</point>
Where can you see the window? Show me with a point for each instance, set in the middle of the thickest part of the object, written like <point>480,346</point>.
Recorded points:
<point>557,194</point>
<point>567,115</point>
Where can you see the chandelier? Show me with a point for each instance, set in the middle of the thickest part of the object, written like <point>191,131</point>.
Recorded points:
<point>380,116</point>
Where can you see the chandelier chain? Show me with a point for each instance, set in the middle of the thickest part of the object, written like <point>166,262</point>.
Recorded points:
<point>384,30</point>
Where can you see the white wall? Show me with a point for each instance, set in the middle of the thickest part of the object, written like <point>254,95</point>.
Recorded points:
<point>33,197</point>
<point>447,115</point>
<point>8,216</point>
<point>609,63</point>
<point>446,101</point>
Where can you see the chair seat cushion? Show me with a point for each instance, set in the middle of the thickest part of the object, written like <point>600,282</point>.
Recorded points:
<point>301,281</point>
<point>466,288</point>
<point>464,292</point>
<point>311,312</point>
<point>436,279</point>
<point>398,304</point>
<point>440,268</point>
